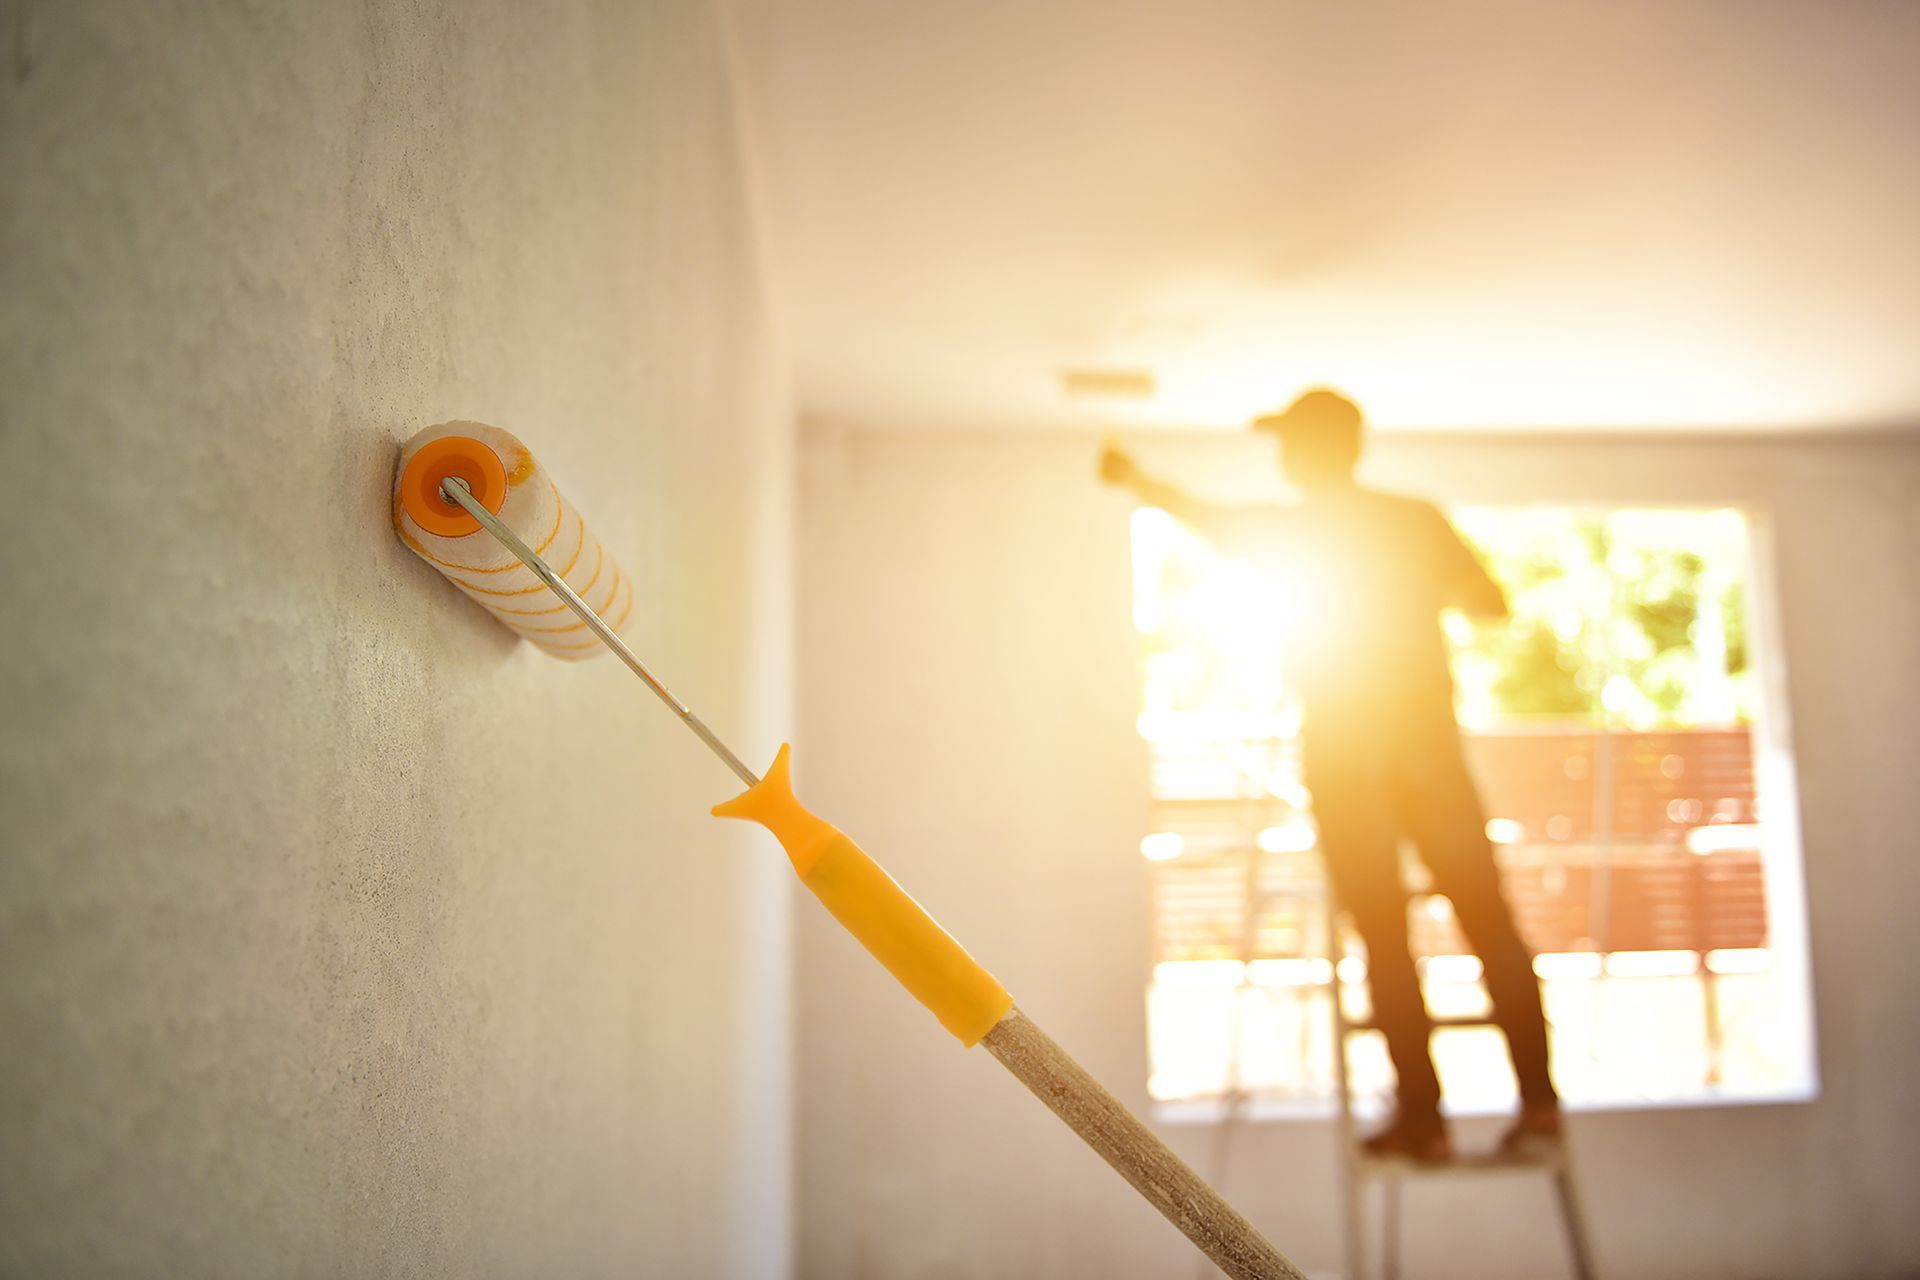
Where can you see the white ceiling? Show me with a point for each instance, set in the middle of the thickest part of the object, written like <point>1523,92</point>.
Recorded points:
<point>1605,213</point>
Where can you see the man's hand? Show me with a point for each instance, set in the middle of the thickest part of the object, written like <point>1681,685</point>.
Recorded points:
<point>1118,469</point>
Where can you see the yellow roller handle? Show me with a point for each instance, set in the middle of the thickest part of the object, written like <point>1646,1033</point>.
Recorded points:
<point>899,933</point>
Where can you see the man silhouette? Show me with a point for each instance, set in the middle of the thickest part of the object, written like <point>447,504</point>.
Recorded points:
<point>1366,575</point>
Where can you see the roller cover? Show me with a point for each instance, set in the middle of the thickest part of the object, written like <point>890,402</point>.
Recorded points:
<point>889,924</point>
<point>508,481</point>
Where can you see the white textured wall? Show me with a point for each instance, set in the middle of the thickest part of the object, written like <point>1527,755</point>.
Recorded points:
<point>339,933</point>
<point>968,681</point>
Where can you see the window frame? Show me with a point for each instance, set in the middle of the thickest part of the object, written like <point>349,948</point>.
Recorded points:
<point>1776,790</point>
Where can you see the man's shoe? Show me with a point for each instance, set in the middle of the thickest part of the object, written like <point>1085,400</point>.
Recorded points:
<point>1421,1139</point>
<point>1534,1133</point>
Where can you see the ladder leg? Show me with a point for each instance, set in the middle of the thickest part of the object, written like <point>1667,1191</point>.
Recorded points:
<point>1356,1226</point>
<point>1572,1219</point>
<point>1352,1177</point>
<point>1390,1226</point>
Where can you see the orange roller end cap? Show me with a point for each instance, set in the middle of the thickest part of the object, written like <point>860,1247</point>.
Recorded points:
<point>455,457</point>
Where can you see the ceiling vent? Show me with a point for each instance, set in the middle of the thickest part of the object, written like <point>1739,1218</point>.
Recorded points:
<point>1107,384</point>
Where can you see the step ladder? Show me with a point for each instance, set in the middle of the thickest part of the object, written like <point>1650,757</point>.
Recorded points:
<point>1363,1171</point>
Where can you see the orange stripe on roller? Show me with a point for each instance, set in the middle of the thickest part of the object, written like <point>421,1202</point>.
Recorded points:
<point>529,613</point>
<point>470,589</point>
<point>475,589</point>
<point>625,613</point>
<point>599,563</point>
<point>615,624</point>
<point>531,632</point>
<point>579,546</point>
<point>618,580</point>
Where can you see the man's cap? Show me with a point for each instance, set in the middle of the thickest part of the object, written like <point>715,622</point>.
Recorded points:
<point>1318,410</point>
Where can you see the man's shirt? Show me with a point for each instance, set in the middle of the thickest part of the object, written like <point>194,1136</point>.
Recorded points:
<point>1362,577</point>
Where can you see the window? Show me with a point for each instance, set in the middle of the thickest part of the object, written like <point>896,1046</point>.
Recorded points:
<point>1639,805</point>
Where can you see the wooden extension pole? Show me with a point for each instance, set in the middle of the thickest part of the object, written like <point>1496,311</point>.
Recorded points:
<point>1134,1151</point>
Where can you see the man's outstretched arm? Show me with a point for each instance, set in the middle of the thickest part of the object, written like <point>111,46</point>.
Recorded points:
<point>1217,523</point>
<point>1468,586</point>
<point>1481,597</point>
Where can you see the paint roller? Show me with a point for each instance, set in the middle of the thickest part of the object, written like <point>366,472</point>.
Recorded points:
<point>499,473</point>
<point>471,501</point>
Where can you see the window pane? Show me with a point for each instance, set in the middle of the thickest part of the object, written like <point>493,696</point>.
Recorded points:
<point>1610,725</point>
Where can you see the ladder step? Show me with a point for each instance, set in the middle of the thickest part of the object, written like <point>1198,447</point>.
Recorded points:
<point>1473,1020</point>
<point>1474,1162</point>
